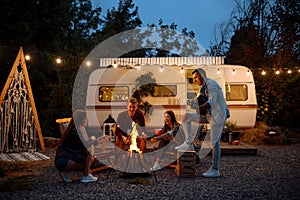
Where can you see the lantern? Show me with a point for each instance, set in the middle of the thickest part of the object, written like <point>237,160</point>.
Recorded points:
<point>108,125</point>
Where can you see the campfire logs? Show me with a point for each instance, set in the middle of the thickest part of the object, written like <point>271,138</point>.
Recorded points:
<point>135,163</point>
<point>132,161</point>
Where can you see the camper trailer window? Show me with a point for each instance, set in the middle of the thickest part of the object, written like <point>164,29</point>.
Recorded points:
<point>165,91</point>
<point>113,93</point>
<point>236,92</point>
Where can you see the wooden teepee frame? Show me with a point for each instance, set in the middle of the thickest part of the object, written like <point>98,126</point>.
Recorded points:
<point>20,60</point>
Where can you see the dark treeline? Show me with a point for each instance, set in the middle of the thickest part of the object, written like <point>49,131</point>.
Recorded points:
<point>264,36</point>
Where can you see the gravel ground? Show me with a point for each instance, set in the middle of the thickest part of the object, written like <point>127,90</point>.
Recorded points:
<point>274,173</point>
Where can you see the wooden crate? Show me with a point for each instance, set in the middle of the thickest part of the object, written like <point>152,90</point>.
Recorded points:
<point>186,164</point>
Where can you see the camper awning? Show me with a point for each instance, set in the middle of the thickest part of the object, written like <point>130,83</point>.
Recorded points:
<point>178,61</point>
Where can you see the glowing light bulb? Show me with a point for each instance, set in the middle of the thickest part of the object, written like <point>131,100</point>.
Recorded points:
<point>233,72</point>
<point>263,72</point>
<point>289,71</point>
<point>88,63</point>
<point>27,57</point>
<point>58,60</point>
<point>248,72</point>
<point>277,72</point>
<point>115,65</point>
<point>161,69</point>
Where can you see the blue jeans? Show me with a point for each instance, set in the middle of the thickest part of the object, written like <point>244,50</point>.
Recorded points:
<point>216,154</point>
<point>216,131</point>
<point>190,117</point>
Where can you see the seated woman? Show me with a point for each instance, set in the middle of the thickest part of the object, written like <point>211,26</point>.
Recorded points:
<point>76,149</point>
<point>169,131</point>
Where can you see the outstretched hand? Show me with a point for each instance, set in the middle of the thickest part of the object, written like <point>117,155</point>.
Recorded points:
<point>93,138</point>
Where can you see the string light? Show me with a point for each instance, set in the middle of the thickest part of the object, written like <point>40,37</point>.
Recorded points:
<point>88,63</point>
<point>233,72</point>
<point>58,60</point>
<point>181,70</point>
<point>138,67</point>
<point>27,57</point>
<point>161,69</point>
<point>115,65</point>
<point>248,72</point>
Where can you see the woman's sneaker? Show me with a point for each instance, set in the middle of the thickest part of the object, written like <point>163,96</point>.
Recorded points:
<point>89,178</point>
<point>65,177</point>
<point>155,167</point>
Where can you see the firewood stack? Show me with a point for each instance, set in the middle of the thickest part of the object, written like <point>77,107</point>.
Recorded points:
<point>186,164</point>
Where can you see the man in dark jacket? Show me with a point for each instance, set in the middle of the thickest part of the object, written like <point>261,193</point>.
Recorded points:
<point>126,122</point>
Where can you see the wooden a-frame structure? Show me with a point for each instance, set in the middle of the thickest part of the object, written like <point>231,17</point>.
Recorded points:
<point>20,60</point>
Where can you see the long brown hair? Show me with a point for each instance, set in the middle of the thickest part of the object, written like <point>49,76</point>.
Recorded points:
<point>78,117</point>
<point>172,114</point>
<point>173,119</point>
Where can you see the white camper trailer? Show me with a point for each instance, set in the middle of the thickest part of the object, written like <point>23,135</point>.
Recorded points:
<point>109,89</point>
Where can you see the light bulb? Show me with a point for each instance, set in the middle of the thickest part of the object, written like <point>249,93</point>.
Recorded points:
<point>233,72</point>
<point>248,72</point>
<point>115,65</point>
<point>161,69</point>
<point>58,60</point>
<point>88,63</point>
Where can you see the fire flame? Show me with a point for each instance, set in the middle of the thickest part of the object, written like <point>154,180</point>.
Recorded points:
<point>134,135</point>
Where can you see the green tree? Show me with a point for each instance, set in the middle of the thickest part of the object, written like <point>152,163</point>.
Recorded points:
<point>47,29</point>
<point>246,48</point>
<point>120,19</point>
<point>266,37</point>
<point>144,87</point>
<point>171,42</point>
<point>124,17</point>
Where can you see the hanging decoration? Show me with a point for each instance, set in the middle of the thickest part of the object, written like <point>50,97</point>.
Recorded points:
<point>19,124</point>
